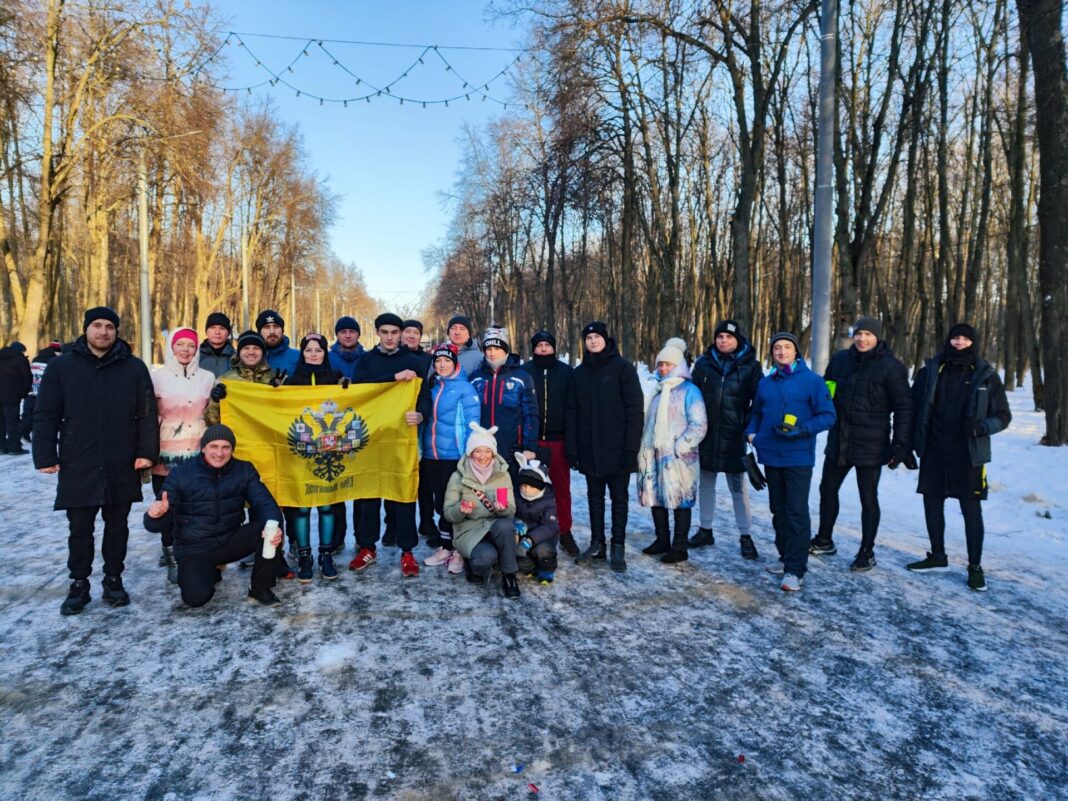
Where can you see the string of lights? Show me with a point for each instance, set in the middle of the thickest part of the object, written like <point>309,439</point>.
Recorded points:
<point>371,91</point>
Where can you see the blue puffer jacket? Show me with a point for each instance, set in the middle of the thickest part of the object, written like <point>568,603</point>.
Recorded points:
<point>797,391</point>
<point>508,402</point>
<point>344,361</point>
<point>454,406</point>
<point>282,357</point>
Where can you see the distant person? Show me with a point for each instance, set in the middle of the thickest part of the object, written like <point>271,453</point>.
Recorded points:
<point>37,368</point>
<point>203,501</point>
<point>343,355</point>
<point>16,381</point>
<point>959,403</point>
<point>216,351</point>
<point>412,337</point>
<point>461,333</point>
<point>281,357</point>
<point>96,426</point>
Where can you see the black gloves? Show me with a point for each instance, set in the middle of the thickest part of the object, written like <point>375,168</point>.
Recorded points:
<point>903,456</point>
<point>979,429</point>
<point>218,392</point>
<point>279,378</point>
<point>345,382</point>
<point>752,470</point>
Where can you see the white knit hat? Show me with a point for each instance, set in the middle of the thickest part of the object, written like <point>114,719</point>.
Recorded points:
<point>481,438</point>
<point>673,352</point>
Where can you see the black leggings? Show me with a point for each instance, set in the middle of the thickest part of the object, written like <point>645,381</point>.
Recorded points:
<point>935,512</point>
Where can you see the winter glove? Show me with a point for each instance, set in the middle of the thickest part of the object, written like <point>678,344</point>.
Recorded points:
<point>902,456</point>
<point>979,429</point>
<point>526,543</point>
<point>279,378</point>
<point>790,432</point>
<point>520,528</point>
<point>345,382</point>
<point>218,392</point>
<point>752,470</point>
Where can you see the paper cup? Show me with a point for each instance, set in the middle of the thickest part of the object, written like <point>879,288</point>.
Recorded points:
<point>269,531</point>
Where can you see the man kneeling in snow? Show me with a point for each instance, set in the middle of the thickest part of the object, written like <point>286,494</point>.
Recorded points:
<point>207,498</point>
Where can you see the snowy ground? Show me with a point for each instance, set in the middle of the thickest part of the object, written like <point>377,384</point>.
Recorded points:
<point>649,685</point>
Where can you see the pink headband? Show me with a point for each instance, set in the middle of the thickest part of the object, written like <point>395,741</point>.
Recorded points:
<point>185,333</point>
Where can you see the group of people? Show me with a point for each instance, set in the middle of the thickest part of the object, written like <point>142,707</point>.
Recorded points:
<point>498,439</point>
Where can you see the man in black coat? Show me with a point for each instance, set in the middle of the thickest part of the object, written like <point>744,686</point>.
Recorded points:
<point>604,432</point>
<point>554,384</point>
<point>37,368</point>
<point>95,424</point>
<point>204,500</point>
<point>868,385</point>
<point>728,375</point>
<point>15,383</point>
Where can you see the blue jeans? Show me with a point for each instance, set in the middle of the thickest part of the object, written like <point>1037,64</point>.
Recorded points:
<point>788,498</point>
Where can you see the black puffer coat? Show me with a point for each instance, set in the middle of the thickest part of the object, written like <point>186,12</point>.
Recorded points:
<point>728,384</point>
<point>100,413</point>
<point>207,504</point>
<point>377,367</point>
<point>554,382</point>
<point>15,376</point>
<point>540,517</point>
<point>867,389</point>
<point>607,415</point>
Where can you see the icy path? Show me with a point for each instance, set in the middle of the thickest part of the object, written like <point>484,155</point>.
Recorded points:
<point>643,686</point>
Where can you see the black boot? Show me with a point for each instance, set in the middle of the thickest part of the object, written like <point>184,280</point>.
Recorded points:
<point>749,550</point>
<point>304,566</point>
<point>567,542</point>
<point>594,552</point>
<point>471,575</point>
<point>77,598</point>
<point>703,537</point>
<point>678,553</point>
<point>618,561</point>
<point>510,586</point>
<point>114,594</point>
<point>662,543</point>
<point>171,564</point>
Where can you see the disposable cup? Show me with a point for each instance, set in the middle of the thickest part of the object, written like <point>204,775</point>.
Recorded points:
<point>502,496</point>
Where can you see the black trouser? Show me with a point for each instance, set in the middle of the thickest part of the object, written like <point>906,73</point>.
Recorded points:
<point>12,437</point>
<point>867,487</point>
<point>26,425</point>
<point>371,522</point>
<point>934,509</point>
<point>80,544</point>
<point>544,557</point>
<point>617,486</point>
<point>497,547</point>
<point>196,571</point>
<point>434,475</point>
<point>166,536</point>
<point>788,498</point>
<point>341,522</point>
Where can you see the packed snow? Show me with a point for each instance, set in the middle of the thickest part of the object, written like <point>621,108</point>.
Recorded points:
<point>702,681</point>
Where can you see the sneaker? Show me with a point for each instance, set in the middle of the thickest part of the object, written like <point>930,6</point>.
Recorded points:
<point>544,577</point>
<point>77,598</point>
<point>791,583</point>
<point>703,537</point>
<point>864,562</point>
<point>934,561</point>
<point>364,559</point>
<point>409,567</point>
<point>567,542</point>
<point>327,569</point>
<point>304,566</point>
<point>509,586</point>
<point>114,594</point>
<point>265,597</point>
<point>440,557</point>
<point>656,548</point>
<point>749,550</point>
<point>456,563</point>
<point>674,557</point>
<point>596,552</point>
<point>975,578</point>
<point>817,548</point>
<point>776,568</point>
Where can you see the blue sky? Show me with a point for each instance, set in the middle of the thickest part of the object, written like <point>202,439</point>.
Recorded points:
<point>390,163</point>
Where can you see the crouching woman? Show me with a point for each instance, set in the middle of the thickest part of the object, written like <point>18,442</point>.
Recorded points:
<point>480,504</point>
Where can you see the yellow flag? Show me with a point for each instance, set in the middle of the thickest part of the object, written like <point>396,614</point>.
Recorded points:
<point>320,445</point>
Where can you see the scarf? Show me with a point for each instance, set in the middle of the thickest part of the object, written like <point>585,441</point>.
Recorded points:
<point>482,474</point>
<point>663,439</point>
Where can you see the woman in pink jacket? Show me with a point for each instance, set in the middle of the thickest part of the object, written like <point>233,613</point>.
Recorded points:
<point>182,394</point>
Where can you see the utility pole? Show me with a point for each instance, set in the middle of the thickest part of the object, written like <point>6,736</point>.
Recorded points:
<point>824,208</point>
<point>318,312</point>
<point>293,302</point>
<point>244,279</point>
<point>146,295</point>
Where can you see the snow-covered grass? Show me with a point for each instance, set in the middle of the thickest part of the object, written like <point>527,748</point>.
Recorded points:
<point>647,685</point>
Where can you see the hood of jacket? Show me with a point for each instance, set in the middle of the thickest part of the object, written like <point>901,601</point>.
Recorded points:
<point>170,361</point>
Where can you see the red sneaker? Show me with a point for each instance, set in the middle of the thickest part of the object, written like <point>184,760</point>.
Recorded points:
<point>409,567</point>
<point>365,558</point>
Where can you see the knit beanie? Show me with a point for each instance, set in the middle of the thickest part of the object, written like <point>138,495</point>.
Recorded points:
<point>672,354</point>
<point>788,337</point>
<point>963,330</point>
<point>446,350</point>
<point>388,318</point>
<point>185,333</point>
<point>729,327</point>
<point>413,324</point>
<point>496,338</point>
<point>869,324</point>
<point>596,327</point>
<point>268,317</point>
<point>218,318</point>
<point>346,322</point>
<point>251,338</point>
<point>481,438</point>
<point>100,313</point>
<point>542,336</point>
<point>217,431</point>
<point>465,321</point>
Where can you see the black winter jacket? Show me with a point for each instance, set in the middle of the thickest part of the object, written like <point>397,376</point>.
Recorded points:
<point>605,419</point>
<point>15,376</point>
<point>540,516</point>
<point>100,413</point>
<point>867,388</point>
<point>376,367</point>
<point>207,504</point>
<point>728,384</point>
<point>216,362</point>
<point>554,383</point>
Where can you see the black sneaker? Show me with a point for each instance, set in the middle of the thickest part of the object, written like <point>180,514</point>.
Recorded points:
<point>264,597</point>
<point>817,548</point>
<point>749,550</point>
<point>510,586</point>
<point>864,562</point>
<point>975,578</point>
<point>77,598</point>
<point>934,561</point>
<point>703,537</point>
<point>673,557</point>
<point>567,542</point>
<point>595,552</point>
<point>657,548</point>
<point>114,594</point>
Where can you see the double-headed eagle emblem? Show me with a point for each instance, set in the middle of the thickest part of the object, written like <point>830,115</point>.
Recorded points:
<point>327,436</point>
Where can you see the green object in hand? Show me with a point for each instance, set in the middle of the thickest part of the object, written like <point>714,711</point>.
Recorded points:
<point>831,387</point>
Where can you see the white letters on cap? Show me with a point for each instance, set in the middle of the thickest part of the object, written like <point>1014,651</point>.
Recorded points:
<point>731,327</point>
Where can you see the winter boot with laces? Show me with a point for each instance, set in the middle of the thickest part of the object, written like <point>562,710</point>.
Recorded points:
<point>749,550</point>
<point>171,564</point>
<point>304,565</point>
<point>976,581</point>
<point>822,548</point>
<point>327,569</point>
<point>114,594</point>
<point>864,562</point>
<point>703,537</point>
<point>567,542</point>
<point>662,543</point>
<point>77,598</point>
<point>595,552</point>
<point>509,586</point>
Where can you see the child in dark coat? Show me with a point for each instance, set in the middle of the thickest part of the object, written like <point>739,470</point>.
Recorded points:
<point>536,524</point>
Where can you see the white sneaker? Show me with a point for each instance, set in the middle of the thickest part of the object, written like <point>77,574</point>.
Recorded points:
<point>791,583</point>
<point>456,562</point>
<point>439,557</point>
<point>778,568</point>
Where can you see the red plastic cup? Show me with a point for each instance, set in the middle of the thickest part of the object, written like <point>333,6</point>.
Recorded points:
<point>502,496</point>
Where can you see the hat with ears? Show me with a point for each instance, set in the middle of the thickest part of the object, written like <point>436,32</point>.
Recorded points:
<point>481,438</point>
